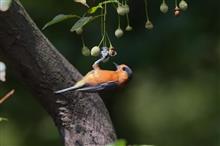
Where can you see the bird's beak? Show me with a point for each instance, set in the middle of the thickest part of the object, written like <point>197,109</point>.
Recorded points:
<point>116,65</point>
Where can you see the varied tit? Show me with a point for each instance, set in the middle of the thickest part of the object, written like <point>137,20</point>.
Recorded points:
<point>102,80</point>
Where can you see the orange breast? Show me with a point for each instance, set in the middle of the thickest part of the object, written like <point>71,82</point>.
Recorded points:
<point>101,76</point>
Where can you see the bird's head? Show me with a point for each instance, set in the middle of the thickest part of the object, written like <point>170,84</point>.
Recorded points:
<point>124,71</point>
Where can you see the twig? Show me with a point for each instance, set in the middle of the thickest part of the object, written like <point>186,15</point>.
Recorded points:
<point>9,94</point>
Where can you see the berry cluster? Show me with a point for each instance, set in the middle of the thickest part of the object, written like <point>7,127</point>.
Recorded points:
<point>122,10</point>
<point>182,6</point>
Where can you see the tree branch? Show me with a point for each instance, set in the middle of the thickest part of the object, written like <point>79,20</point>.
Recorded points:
<point>81,118</point>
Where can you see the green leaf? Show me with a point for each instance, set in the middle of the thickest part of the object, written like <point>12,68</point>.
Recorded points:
<point>80,23</point>
<point>59,18</point>
<point>5,5</point>
<point>3,119</point>
<point>95,8</point>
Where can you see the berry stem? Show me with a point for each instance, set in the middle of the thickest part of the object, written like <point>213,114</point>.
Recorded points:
<point>119,21</point>
<point>123,2</point>
<point>104,26</point>
<point>146,9</point>
<point>128,21</point>
<point>103,37</point>
<point>109,41</point>
<point>127,17</point>
<point>176,3</point>
<point>83,41</point>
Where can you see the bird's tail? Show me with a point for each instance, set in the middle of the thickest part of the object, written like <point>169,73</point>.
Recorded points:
<point>66,89</point>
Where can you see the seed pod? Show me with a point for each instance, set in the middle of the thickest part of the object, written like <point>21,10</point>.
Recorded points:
<point>128,28</point>
<point>177,11</point>
<point>149,25</point>
<point>121,10</point>
<point>126,8</point>
<point>85,51</point>
<point>112,52</point>
<point>183,5</point>
<point>79,31</point>
<point>95,51</point>
<point>119,32</point>
<point>164,7</point>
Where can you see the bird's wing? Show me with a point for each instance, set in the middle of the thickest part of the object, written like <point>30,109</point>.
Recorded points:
<point>67,89</point>
<point>79,84</point>
<point>103,86</point>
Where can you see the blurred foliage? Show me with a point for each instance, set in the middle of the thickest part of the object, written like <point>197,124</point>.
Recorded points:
<point>122,142</point>
<point>119,142</point>
<point>173,98</point>
<point>3,119</point>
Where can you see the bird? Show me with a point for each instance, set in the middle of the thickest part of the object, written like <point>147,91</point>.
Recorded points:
<point>102,80</point>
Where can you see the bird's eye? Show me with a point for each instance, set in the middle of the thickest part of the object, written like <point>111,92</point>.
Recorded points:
<point>123,68</point>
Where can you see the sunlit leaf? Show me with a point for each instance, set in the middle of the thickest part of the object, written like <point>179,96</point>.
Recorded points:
<point>122,142</point>
<point>100,5</point>
<point>119,142</point>
<point>80,23</point>
<point>94,9</point>
<point>3,119</point>
<point>59,18</point>
<point>82,2</point>
<point>5,5</point>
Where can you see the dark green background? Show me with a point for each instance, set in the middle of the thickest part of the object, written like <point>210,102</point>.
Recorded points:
<point>173,98</point>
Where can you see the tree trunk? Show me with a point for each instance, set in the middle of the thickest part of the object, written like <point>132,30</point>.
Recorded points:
<point>81,118</point>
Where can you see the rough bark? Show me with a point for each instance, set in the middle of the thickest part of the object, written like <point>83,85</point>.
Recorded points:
<point>81,118</point>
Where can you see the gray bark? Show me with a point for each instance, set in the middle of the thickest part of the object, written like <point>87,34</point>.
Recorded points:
<point>81,118</point>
